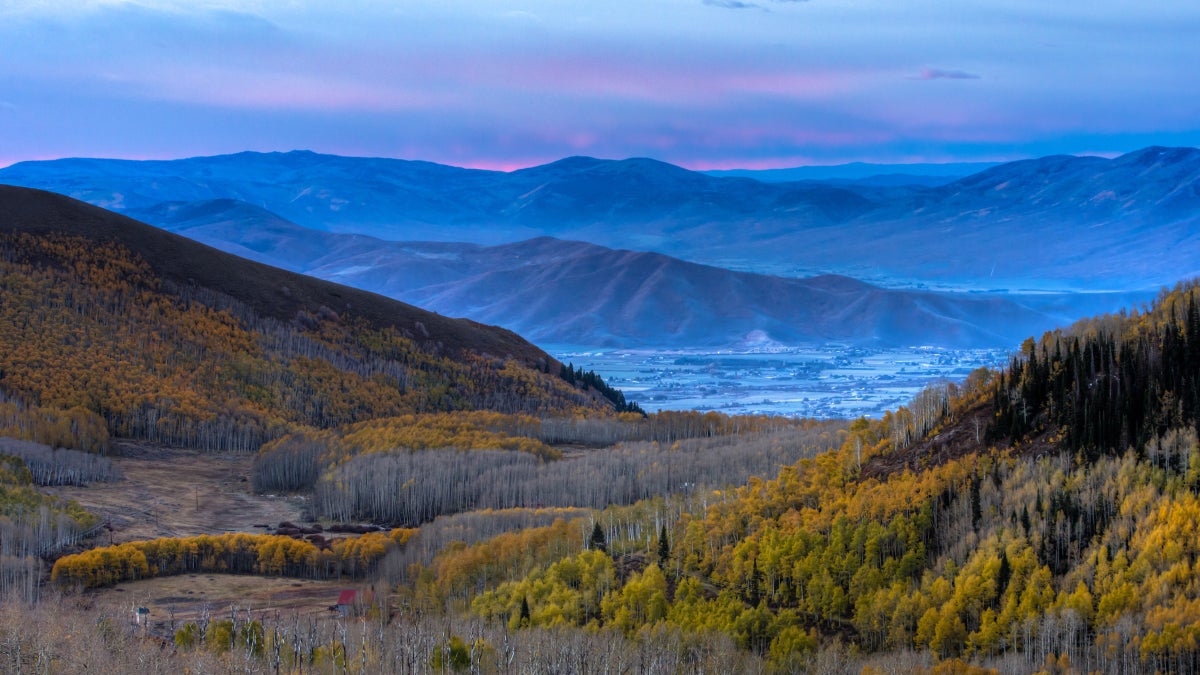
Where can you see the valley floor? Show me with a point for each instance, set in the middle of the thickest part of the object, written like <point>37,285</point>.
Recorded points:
<point>822,382</point>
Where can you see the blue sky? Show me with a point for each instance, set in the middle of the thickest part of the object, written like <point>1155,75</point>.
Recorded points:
<point>701,83</point>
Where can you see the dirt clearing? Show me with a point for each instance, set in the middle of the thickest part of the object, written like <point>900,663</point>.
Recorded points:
<point>168,492</point>
<point>187,595</point>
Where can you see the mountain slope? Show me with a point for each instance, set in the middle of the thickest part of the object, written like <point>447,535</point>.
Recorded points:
<point>268,291</point>
<point>170,340</point>
<point>1097,222</point>
<point>593,295</point>
<point>397,199</point>
<point>1056,222</point>
<point>250,231</point>
<point>565,292</point>
<point>1028,520</point>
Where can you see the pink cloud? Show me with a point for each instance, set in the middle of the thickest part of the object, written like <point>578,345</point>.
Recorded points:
<point>462,82</point>
<point>271,91</point>
<point>940,74</point>
<point>664,83</point>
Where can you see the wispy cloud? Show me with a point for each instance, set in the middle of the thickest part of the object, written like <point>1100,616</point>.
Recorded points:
<point>940,74</point>
<point>733,4</point>
<point>739,4</point>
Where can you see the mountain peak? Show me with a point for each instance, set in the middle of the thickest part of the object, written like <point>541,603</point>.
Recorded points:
<point>631,165</point>
<point>1159,155</point>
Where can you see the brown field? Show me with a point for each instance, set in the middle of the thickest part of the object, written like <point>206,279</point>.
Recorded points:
<point>169,492</point>
<point>183,598</point>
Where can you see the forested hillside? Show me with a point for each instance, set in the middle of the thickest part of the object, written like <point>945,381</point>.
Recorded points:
<point>1039,518</point>
<point>108,325</point>
<point>112,329</point>
<point>1043,517</point>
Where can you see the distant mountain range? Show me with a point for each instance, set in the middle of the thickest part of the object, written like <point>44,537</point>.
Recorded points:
<point>396,227</point>
<point>1057,222</point>
<point>864,173</point>
<point>567,292</point>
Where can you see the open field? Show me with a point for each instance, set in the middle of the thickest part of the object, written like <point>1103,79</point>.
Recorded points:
<point>185,597</point>
<point>169,492</point>
<point>180,493</point>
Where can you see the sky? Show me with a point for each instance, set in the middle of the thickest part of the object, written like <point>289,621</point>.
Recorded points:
<point>706,84</point>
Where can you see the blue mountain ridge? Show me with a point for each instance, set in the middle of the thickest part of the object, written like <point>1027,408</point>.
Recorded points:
<point>1125,225</point>
<point>569,292</point>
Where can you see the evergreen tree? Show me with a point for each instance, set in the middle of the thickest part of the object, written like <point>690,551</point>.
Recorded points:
<point>523,619</point>
<point>1004,575</point>
<point>597,541</point>
<point>976,505</point>
<point>754,585</point>
<point>664,547</point>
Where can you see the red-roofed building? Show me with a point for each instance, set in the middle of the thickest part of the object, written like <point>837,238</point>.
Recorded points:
<point>345,601</point>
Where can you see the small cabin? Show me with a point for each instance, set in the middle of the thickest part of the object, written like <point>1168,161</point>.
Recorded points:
<point>345,602</point>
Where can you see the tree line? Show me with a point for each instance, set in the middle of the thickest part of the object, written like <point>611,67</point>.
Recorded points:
<point>32,525</point>
<point>57,466</point>
<point>296,461</point>
<point>411,488</point>
<point>665,426</point>
<point>228,553</point>
<point>590,379</point>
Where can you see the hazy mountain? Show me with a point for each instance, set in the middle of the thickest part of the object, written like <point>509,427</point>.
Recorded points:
<point>1085,221</point>
<point>1055,222</point>
<point>864,173</point>
<point>249,231</point>
<point>556,291</point>
<point>609,297</point>
<point>397,199</point>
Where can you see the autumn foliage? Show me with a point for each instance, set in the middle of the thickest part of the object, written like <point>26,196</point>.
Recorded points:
<point>1045,517</point>
<point>88,333</point>
<point>227,553</point>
